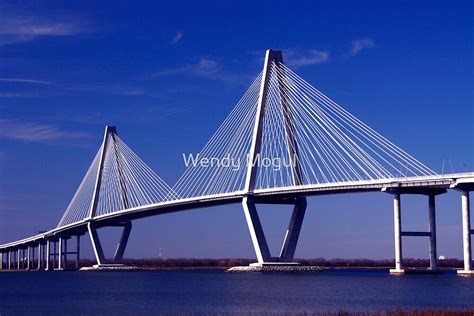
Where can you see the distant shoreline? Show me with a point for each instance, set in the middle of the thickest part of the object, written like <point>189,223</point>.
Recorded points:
<point>225,263</point>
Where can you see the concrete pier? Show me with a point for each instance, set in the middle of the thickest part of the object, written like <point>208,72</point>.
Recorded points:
<point>60,253</point>
<point>432,223</point>
<point>64,257</point>
<point>53,254</point>
<point>399,233</point>
<point>96,245</point>
<point>256,231</point>
<point>397,225</point>
<point>28,258</point>
<point>288,248</point>
<point>118,256</point>
<point>78,248</point>
<point>466,234</point>
<point>33,257</point>
<point>18,259</point>
<point>40,257</point>
<point>47,255</point>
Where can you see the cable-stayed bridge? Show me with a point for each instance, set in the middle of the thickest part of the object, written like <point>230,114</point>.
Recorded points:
<point>283,141</point>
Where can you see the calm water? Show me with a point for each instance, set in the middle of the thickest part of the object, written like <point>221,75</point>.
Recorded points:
<point>217,291</point>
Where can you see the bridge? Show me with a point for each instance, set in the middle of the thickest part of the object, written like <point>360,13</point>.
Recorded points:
<point>283,141</point>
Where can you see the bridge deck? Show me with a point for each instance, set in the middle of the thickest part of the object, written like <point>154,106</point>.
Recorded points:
<point>416,185</point>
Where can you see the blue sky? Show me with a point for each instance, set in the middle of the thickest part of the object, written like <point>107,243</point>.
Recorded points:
<point>167,74</point>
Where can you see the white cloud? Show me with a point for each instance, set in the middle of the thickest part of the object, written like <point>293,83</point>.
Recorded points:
<point>176,38</point>
<point>107,88</point>
<point>15,95</point>
<point>23,80</point>
<point>310,58</point>
<point>32,132</point>
<point>30,27</point>
<point>21,28</point>
<point>361,44</point>
<point>204,67</point>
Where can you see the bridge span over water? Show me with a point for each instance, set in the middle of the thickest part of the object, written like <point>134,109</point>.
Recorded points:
<point>282,142</point>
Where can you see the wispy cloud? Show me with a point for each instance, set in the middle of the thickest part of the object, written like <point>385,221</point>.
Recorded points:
<point>204,67</point>
<point>361,44</point>
<point>61,89</point>
<point>33,27</point>
<point>311,57</point>
<point>16,95</point>
<point>107,89</point>
<point>32,132</point>
<point>22,80</point>
<point>25,28</point>
<point>176,38</point>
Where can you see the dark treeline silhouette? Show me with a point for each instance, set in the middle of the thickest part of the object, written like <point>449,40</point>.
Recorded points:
<point>232,262</point>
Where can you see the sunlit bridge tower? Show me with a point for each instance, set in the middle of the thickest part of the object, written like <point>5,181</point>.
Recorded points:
<point>273,61</point>
<point>117,182</point>
<point>110,143</point>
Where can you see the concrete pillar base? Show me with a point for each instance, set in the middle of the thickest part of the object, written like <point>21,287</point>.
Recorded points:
<point>466,272</point>
<point>108,265</point>
<point>415,271</point>
<point>276,264</point>
<point>277,268</point>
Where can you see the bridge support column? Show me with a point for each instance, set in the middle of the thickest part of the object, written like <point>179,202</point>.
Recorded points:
<point>1,260</point>
<point>118,257</point>
<point>397,221</point>
<point>256,231</point>
<point>399,233</point>
<point>78,249</point>
<point>99,253</point>
<point>54,254</point>
<point>28,259</point>
<point>40,257</point>
<point>257,235</point>
<point>60,253</point>
<point>432,224</point>
<point>65,254</point>
<point>466,234</point>
<point>96,245</point>
<point>47,255</point>
<point>33,257</point>
<point>9,259</point>
<point>288,249</point>
<point>18,259</point>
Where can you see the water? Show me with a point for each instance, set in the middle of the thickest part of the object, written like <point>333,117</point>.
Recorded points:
<point>147,292</point>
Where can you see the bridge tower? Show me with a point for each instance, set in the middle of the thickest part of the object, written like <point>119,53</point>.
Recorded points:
<point>273,59</point>
<point>109,136</point>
